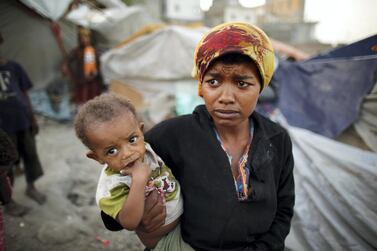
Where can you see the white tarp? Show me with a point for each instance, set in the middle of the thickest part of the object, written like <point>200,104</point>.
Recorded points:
<point>336,192</point>
<point>366,124</point>
<point>85,16</point>
<point>52,9</point>
<point>165,54</point>
<point>115,22</point>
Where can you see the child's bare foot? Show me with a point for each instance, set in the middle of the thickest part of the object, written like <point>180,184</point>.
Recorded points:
<point>15,209</point>
<point>35,195</point>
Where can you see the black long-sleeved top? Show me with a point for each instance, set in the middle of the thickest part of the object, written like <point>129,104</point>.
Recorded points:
<point>213,218</point>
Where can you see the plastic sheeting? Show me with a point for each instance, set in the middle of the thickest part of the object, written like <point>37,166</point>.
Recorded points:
<point>336,191</point>
<point>158,64</point>
<point>52,9</point>
<point>115,23</point>
<point>324,96</point>
<point>364,47</point>
<point>366,124</point>
<point>162,55</point>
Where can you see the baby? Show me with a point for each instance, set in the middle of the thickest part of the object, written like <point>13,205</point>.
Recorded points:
<point>108,126</point>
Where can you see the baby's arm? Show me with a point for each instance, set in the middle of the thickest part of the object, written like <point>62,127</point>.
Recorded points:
<point>133,208</point>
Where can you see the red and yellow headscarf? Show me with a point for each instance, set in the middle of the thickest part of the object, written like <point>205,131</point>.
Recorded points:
<point>234,37</point>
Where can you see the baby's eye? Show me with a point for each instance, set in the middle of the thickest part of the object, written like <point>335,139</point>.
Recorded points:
<point>112,151</point>
<point>242,84</point>
<point>212,82</point>
<point>132,139</point>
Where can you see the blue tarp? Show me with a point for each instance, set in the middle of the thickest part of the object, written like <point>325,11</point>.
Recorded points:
<point>365,47</point>
<point>324,95</point>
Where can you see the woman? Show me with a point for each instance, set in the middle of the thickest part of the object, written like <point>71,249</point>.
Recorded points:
<point>235,166</point>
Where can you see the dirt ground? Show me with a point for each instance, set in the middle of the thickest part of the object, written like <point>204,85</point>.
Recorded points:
<point>70,219</point>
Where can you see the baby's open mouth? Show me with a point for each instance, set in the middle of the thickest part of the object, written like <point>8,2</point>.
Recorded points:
<point>130,164</point>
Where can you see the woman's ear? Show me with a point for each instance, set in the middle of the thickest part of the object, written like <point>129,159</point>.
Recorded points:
<point>93,155</point>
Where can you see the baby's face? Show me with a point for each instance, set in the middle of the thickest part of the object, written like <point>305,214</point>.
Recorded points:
<point>118,143</point>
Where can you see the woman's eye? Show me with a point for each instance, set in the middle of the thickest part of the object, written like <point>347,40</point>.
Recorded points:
<point>112,151</point>
<point>132,139</point>
<point>242,84</point>
<point>212,82</point>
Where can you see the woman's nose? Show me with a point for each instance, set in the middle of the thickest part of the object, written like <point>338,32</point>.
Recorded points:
<point>227,95</point>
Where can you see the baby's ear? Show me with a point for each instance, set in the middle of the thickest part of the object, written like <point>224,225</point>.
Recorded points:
<point>93,155</point>
<point>141,126</point>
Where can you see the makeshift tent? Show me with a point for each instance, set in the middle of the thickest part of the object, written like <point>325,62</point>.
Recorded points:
<point>114,23</point>
<point>157,64</point>
<point>30,40</point>
<point>166,54</point>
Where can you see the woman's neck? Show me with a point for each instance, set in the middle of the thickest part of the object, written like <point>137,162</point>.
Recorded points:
<point>233,134</point>
<point>235,140</point>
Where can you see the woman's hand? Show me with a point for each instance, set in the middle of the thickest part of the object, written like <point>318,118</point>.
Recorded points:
<point>154,213</point>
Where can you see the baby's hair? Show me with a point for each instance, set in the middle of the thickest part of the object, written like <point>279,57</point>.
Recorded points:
<point>102,108</point>
<point>8,151</point>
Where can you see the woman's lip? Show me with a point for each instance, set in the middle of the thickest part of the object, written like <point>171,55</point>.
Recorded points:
<point>226,113</point>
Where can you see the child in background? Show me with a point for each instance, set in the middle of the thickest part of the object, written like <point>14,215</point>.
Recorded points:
<point>18,121</point>
<point>108,126</point>
<point>82,68</point>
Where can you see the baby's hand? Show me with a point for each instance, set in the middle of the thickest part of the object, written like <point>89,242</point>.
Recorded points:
<point>139,171</point>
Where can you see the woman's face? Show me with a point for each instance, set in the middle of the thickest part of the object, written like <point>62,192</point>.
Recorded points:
<point>230,92</point>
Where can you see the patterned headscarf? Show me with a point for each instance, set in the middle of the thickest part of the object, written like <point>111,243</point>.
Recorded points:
<point>234,37</point>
